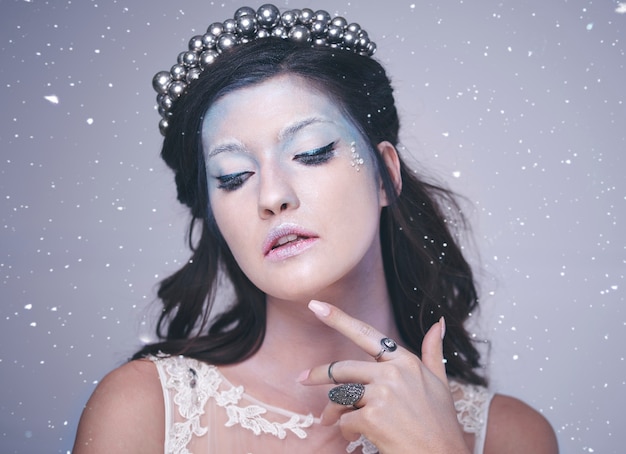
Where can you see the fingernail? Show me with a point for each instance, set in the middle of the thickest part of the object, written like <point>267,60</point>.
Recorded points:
<point>319,308</point>
<point>303,375</point>
<point>442,321</point>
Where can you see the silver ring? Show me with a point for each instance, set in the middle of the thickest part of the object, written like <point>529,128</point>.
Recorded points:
<point>387,345</point>
<point>347,394</point>
<point>330,372</point>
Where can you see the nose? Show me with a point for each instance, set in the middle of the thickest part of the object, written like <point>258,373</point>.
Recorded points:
<point>276,193</point>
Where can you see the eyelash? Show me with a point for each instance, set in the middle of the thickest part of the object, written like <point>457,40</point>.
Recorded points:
<point>314,157</point>
<point>232,181</point>
<point>317,156</point>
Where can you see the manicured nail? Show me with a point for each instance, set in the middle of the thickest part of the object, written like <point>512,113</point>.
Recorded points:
<point>303,375</point>
<point>442,321</point>
<point>319,308</point>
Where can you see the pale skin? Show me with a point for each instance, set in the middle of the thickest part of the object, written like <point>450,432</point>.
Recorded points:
<point>407,406</point>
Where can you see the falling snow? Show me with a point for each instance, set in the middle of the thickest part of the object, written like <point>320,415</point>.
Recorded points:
<point>519,106</point>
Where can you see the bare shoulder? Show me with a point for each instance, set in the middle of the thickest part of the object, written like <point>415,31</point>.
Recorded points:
<point>125,413</point>
<point>515,427</point>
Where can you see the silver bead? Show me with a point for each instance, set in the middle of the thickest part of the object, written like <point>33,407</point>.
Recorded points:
<point>196,44</point>
<point>165,101</point>
<point>161,81</point>
<point>339,22</point>
<point>362,44</point>
<point>268,16</point>
<point>193,74</point>
<point>176,89</point>
<point>371,48</point>
<point>263,33</point>
<point>320,42</point>
<point>215,29</point>
<point>350,39</point>
<point>209,41</point>
<point>244,11</point>
<point>300,34</point>
<point>306,16</point>
<point>230,26</point>
<point>288,19</point>
<point>189,59</point>
<point>322,15</point>
<point>334,34</point>
<point>246,25</point>
<point>279,32</point>
<point>207,57</point>
<point>163,124</point>
<point>318,28</point>
<point>226,41</point>
<point>178,72</point>
<point>354,28</point>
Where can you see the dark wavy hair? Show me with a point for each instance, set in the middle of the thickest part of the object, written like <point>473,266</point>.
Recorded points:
<point>426,274</point>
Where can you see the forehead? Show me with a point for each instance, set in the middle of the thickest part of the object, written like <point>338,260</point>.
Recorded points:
<point>268,109</point>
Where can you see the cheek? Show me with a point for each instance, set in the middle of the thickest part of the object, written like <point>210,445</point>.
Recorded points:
<point>227,220</point>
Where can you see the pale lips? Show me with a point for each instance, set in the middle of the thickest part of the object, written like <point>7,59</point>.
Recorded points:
<point>288,246</point>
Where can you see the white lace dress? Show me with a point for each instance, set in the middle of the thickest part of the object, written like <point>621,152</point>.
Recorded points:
<point>206,414</point>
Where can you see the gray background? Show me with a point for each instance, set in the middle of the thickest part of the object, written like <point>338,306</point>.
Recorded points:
<point>518,105</point>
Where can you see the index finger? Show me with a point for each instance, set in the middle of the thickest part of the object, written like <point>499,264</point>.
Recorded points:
<point>362,334</point>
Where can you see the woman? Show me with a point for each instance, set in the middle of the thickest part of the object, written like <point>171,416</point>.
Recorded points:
<point>282,133</point>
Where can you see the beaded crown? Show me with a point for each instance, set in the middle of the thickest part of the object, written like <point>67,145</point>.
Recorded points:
<point>318,28</point>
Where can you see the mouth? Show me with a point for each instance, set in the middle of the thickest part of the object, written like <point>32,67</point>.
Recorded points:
<point>287,240</point>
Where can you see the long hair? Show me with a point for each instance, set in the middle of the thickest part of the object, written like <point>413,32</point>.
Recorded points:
<point>426,273</point>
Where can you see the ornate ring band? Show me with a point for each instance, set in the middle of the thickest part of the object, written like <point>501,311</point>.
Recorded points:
<point>347,394</point>
<point>330,372</point>
<point>387,345</point>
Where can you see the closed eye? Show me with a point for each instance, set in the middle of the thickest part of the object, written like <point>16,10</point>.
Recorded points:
<point>232,181</point>
<point>317,156</point>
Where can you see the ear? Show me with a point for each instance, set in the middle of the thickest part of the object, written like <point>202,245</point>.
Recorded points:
<point>392,161</point>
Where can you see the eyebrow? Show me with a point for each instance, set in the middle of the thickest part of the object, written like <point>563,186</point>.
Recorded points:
<point>291,130</point>
<point>285,134</point>
<point>226,148</point>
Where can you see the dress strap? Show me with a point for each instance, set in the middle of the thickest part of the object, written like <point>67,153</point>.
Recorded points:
<point>472,406</point>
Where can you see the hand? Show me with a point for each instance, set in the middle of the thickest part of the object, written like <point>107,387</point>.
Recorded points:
<point>407,406</point>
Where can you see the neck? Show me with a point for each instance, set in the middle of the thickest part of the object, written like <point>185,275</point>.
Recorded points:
<point>292,324</point>
<point>296,340</point>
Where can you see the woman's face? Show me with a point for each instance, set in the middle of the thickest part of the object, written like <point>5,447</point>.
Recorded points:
<point>298,210</point>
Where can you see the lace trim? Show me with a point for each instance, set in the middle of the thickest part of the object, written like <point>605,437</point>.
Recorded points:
<point>472,406</point>
<point>367,447</point>
<point>195,382</point>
